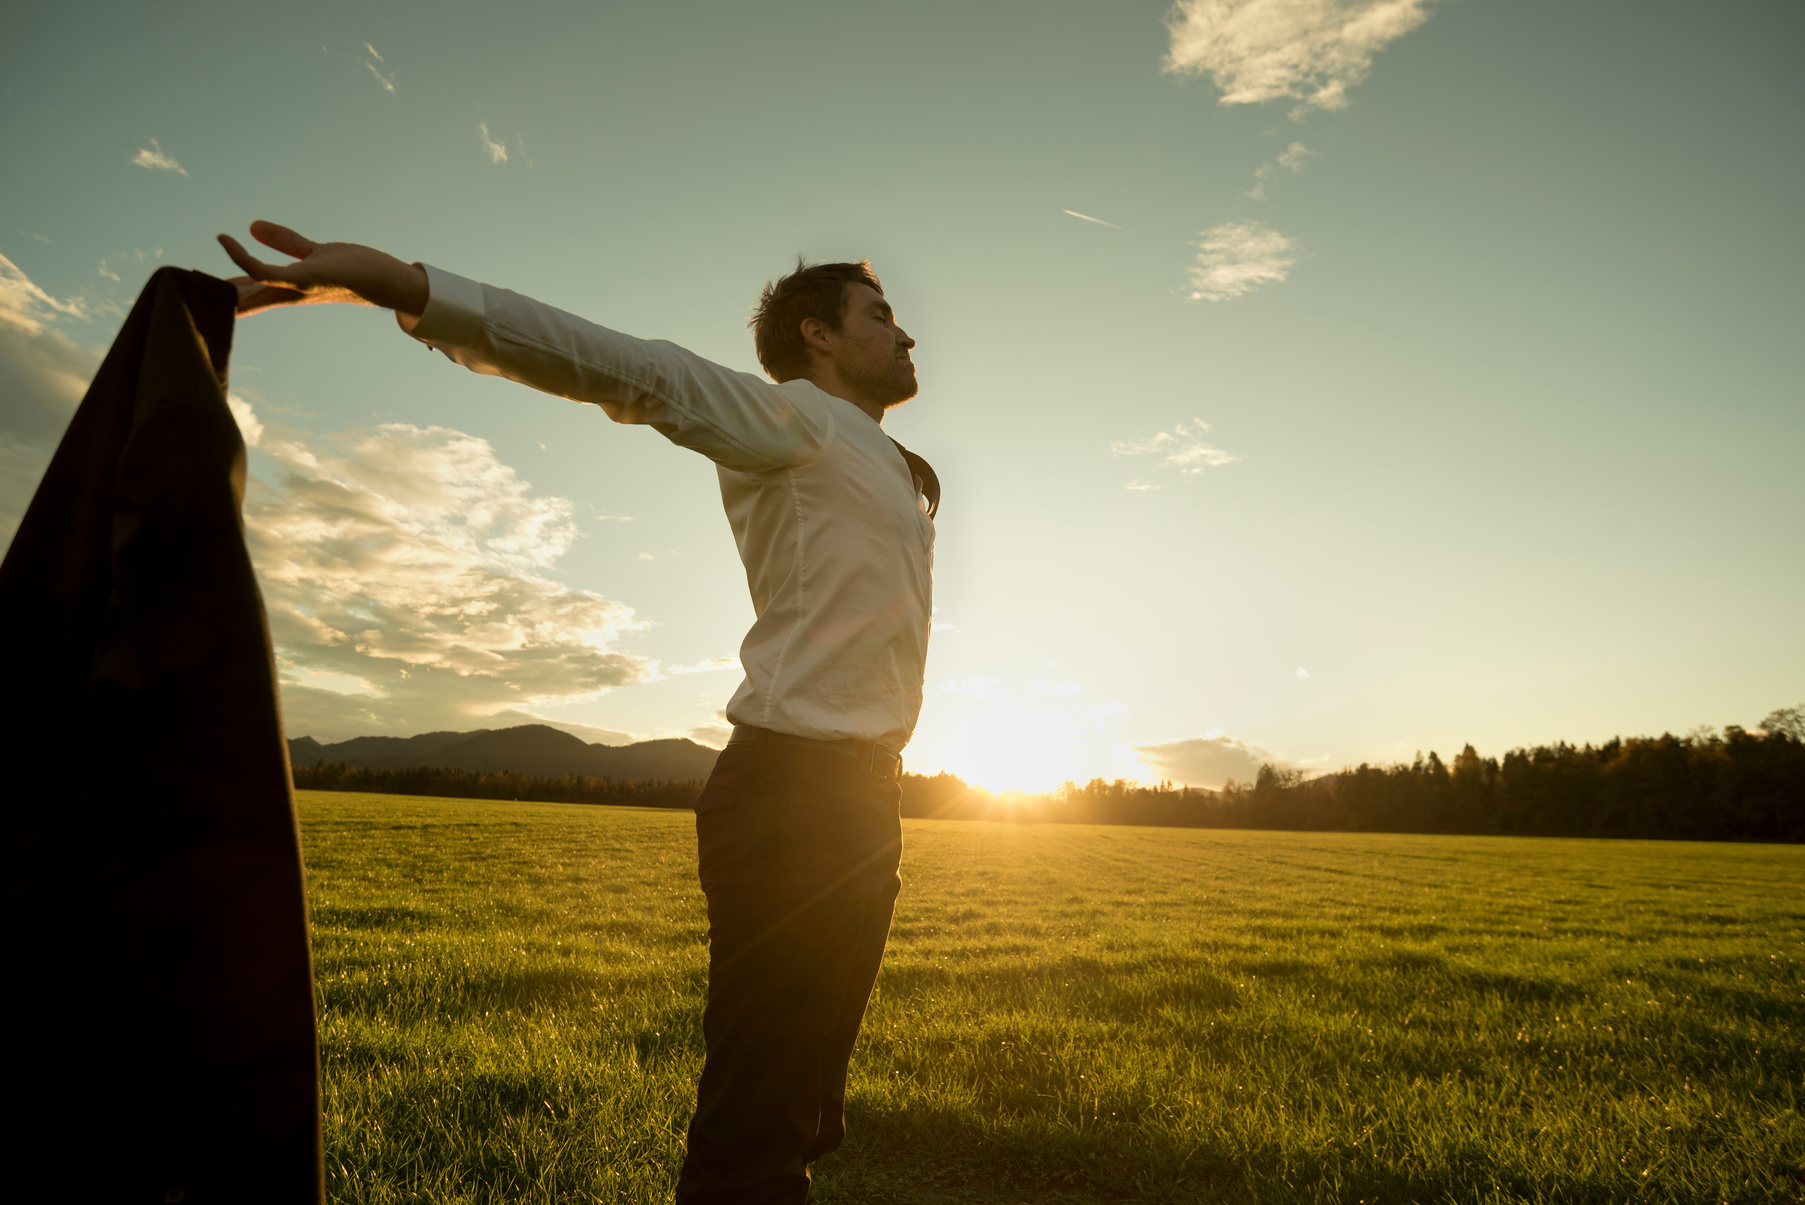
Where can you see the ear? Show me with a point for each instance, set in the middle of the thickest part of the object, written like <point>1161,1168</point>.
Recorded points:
<point>814,334</point>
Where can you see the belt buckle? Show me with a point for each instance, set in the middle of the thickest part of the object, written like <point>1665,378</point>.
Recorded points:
<point>892,768</point>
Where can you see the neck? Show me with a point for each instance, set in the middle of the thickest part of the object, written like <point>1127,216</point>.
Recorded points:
<point>829,382</point>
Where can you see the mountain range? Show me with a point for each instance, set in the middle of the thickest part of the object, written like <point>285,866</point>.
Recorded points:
<point>527,749</point>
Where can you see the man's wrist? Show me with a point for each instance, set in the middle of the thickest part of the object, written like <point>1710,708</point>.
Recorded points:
<point>452,312</point>
<point>413,290</point>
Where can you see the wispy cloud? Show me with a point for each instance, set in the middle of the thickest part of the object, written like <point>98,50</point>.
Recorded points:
<point>249,426</point>
<point>1181,448</point>
<point>409,578</point>
<point>710,666</point>
<point>26,307</point>
<point>387,81</point>
<point>1205,761</point>
<point>1294,156</point>
<point>43,374</point>
<point>1236,258</point>
<point>1291,159</point>
<point>1311,51</point>
<point>713,735</point>
<point>156,159</point>
<point>108,272</point>
<point>1085,217</point>
<point>496,151</point>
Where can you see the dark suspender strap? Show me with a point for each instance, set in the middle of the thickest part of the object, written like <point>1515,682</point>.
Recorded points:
<point>930,483</point>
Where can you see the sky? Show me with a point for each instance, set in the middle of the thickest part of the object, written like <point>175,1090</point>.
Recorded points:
<point>1310,381</point>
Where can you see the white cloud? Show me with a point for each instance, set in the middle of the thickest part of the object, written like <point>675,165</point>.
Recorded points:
<point>1302,672</point>
<point>1291,159</point>
<point>496,151</point>
<point>246,417</point>
<point>43,374</point>
<point>373,52</point>
<point>1236,258</point>
<point>1311,51</point>
<point>1205,761</point>
<point>1181,448</point>
<point>108,272</point>
<point>26,307</point>
<point>154,158</point>
<point>712,665</point>
<point>713,735</point>
<point>1085,217</point>
<point>408,576</point>
<point>387,81</point>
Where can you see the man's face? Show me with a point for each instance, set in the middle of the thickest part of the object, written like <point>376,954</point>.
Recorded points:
<point>871,351</point>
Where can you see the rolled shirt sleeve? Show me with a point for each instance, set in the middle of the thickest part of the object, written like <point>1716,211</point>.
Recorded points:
<point>736,419</point>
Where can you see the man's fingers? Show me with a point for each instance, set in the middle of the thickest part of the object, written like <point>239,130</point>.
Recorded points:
<point>255,267</point>
<point>289,242</point>
<point>239,255</point>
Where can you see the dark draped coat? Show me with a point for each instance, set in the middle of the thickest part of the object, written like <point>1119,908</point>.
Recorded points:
<point>157,1015</point>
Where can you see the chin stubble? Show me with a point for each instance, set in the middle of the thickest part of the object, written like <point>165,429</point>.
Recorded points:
<point>888,386</point>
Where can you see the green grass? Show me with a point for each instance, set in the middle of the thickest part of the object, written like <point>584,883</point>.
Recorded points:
<point>512,995</point>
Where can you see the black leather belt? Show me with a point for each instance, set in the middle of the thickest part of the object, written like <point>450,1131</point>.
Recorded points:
<point>876,760</point>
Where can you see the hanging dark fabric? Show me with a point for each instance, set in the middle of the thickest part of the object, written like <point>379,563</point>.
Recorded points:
<point>161,1042</point>
<point>924,473</point>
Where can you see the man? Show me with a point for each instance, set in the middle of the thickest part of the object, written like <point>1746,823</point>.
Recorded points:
<point>798,828</point>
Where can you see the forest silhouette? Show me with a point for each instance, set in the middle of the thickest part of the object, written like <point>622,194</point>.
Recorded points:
<point>1737,785</point>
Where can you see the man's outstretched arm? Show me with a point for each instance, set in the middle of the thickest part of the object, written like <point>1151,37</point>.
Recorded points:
<point>735,419</point>
<point>323,272</point>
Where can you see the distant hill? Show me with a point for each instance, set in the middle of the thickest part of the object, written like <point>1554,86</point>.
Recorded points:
<point>528,749</point>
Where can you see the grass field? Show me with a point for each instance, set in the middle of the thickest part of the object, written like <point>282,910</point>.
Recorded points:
<point>512,998</point>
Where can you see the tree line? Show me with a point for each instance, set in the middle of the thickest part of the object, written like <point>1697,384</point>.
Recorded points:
<point>468,784</point>
<point>1738,785</point>
<point>1735,786</point>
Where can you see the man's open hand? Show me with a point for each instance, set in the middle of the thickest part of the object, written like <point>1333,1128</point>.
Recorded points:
<point>322,272</point>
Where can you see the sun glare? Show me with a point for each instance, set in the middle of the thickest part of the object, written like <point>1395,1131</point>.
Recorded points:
<point>1029,736</point>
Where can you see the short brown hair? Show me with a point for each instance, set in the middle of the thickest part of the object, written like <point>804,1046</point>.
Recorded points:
<point>811,291</point>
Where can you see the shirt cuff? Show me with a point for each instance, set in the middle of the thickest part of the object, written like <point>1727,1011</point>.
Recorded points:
<point>454,311</point>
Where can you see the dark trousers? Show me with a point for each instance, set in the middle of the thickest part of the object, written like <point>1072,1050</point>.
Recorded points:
<point>798,849</point>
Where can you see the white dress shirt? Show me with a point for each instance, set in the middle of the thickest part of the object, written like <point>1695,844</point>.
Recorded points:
<point>830,522</point>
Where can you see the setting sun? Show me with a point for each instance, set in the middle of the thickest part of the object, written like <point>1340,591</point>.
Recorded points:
<point>1032,736</point>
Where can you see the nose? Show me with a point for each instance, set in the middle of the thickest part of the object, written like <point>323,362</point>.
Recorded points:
<point>902,338</point>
